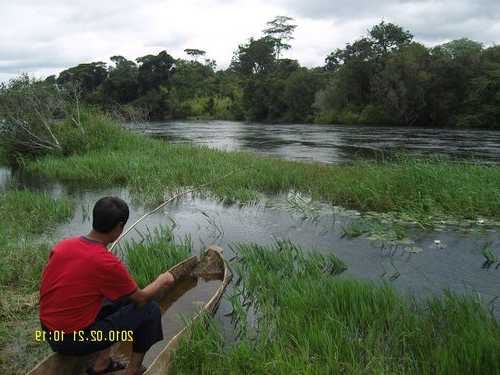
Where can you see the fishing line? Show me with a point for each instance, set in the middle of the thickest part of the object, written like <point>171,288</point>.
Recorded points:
<point>167,202</point>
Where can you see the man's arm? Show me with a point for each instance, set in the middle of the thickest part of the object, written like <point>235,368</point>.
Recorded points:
<point>143,296</point>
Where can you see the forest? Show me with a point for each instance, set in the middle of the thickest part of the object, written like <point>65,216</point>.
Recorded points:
<point>385,77</point>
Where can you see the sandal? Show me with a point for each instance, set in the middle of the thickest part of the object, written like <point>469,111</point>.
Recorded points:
<point>112,367</point>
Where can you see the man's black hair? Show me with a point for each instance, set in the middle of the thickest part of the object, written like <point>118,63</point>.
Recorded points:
<point>108,212</point>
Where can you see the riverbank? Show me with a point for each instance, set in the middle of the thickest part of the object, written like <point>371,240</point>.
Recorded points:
<point>415,189</point>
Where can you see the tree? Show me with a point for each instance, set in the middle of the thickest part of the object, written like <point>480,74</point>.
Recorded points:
<point>122,83</point>
<point>388,37</point>
<point>255,57</point>
<point>154,71</point>
<point>401,88</point>
<point>280,30</point>
<point>89,76</point>
<point>192,79</point>
<point>360,51</point>
<point>482,104</point>
<point>195,53</point>
<point>453,67</point>
<point>300,89</point>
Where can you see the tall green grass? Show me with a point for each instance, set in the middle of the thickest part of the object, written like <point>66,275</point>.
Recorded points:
<point>156,253</point>
<point>311,322</point>
<point>24,217</point>
<point>406,186</point>
<point>23,213</point>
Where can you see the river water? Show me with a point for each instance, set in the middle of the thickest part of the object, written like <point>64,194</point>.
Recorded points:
<point>328,143</point>
<point>420,267</point>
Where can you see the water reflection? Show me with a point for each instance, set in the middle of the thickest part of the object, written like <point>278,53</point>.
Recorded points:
<point>328,143</point>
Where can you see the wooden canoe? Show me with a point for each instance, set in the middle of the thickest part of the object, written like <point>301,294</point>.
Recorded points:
<point>211,267</point>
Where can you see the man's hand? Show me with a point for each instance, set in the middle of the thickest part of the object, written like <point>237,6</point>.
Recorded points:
<point>142,296</point>
<point>165,279</point>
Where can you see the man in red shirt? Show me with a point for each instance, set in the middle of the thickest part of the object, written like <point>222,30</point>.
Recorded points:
<point>85,289</point>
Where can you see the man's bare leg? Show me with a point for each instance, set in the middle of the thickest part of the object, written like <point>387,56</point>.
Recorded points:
<point>102,360</point>
<point>135,364</point>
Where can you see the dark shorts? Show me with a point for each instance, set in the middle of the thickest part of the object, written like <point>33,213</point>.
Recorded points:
<point>117,321</point>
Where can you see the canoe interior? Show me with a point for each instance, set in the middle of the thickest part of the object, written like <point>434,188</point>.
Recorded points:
<point>200,288</point>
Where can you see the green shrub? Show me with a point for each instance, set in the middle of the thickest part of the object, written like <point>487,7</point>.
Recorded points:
<point>373,114</point>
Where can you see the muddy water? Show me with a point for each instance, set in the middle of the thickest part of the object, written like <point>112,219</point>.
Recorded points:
<point>421,268</point>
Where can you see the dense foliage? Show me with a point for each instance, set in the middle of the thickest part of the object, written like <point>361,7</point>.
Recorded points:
<point>384,77</point>
<point>387,77</point>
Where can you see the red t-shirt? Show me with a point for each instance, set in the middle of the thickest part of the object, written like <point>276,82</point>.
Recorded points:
<point>80,273</point>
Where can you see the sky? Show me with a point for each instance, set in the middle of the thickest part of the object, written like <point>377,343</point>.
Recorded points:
<point>45,37</point>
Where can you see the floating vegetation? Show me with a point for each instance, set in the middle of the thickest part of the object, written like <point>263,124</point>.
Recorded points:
<point>303,206</point>
<point>86,213</point>
<point>376,230</point>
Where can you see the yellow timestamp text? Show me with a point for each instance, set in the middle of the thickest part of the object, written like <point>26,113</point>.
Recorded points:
<point>85,336</point>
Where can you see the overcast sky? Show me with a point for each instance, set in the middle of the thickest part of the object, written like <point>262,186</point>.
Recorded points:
<point>45,37</point>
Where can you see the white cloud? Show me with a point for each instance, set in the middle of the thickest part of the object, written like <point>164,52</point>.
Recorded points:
<point>45,37</point>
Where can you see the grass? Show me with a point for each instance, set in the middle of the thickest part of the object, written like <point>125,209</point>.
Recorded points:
<point>155,254</point>
<point>24,216</point>
<point>24,213</point>
<point>151,167</point>
<point>19,352</point>
<point>311,322</point>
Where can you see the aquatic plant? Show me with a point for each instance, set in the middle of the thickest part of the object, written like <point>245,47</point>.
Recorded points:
<point>491,258</point>
<point>375,229</point>
<point>24,215</point>
<point>23,212</point>
<point>303,206</point>
<point>310,322</point>
<point>155,253</point>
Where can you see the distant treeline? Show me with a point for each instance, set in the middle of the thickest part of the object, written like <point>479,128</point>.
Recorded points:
<point>383,78</point>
